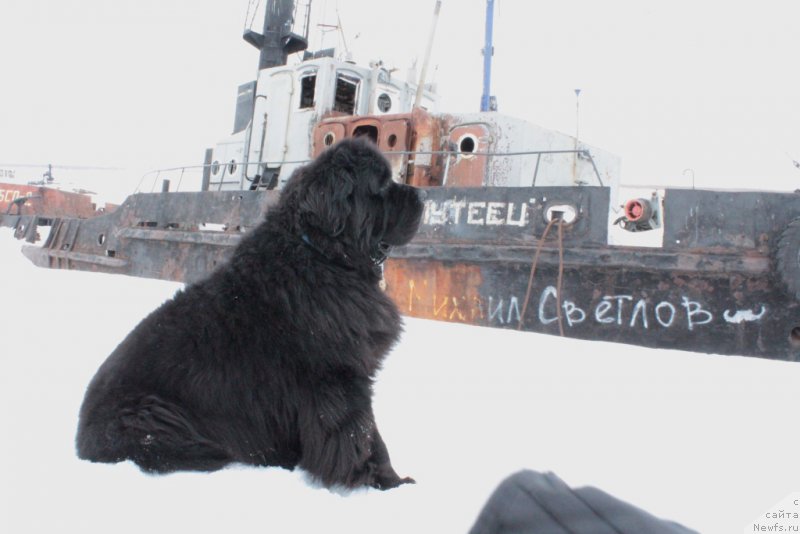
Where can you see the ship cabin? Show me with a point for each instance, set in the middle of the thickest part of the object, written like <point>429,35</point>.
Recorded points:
<point>277,115</point>
<point>292,113</point>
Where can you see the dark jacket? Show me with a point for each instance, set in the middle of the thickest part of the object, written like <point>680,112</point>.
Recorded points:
<point>534,503</point>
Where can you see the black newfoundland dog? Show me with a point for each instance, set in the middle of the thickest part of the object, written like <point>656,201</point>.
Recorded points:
<point>270,361</point>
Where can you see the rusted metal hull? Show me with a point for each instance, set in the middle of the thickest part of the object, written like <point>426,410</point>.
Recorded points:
<point>648,308</point>
<point>170,236</point>
<point>44,201</point>
<point>712,287</point>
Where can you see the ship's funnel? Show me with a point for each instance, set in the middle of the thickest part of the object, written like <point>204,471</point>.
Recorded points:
<point>277,40</point>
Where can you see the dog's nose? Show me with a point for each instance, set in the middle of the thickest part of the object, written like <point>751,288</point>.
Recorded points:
<point>421,194</point>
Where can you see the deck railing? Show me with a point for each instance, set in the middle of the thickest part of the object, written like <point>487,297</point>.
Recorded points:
<point>229,168</point>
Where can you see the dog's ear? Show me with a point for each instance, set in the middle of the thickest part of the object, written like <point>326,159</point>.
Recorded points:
<point>325,202</point>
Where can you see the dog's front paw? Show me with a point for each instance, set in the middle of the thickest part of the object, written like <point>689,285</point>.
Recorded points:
<point>391,481</point>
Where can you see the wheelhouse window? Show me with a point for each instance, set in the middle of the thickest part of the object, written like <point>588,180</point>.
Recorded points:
<point>308,85</point>
<point>346,94</point>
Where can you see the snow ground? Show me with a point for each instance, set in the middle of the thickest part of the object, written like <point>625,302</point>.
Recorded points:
<point>707,441</point>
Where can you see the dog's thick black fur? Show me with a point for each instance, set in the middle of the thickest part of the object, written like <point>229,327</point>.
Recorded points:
<point>270,361</point>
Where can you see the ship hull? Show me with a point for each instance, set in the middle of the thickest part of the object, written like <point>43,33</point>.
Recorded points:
<point>712,286</point>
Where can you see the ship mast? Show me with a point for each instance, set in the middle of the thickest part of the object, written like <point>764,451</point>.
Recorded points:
<point>488,102</point>
<point>278,40</point>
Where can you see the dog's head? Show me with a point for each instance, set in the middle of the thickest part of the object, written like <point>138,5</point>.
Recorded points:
<point>346,203</point>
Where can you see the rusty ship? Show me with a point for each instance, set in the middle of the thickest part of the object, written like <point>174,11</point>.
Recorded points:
<point>524,228</point>
<point>43,201</point>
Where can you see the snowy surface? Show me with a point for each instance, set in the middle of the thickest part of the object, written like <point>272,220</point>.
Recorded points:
<point>708,441</point>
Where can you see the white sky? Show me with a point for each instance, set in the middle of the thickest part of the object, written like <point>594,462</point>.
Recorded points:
<point>707,85</point>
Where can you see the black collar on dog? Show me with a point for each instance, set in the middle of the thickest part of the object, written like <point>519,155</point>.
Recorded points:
<point>315,248</point>
<point>343,260</point>
<point>381,253</point>
<point>307,241</point>
<point>378,256</point>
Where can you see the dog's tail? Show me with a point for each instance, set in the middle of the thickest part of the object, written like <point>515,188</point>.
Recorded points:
<point>154,433</point>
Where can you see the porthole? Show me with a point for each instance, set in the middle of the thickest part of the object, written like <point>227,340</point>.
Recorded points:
<point>391,140</point>
<point>232,167</point>
<point>384,103</point>
<point>467,144</point>
<point>101,239</point>
<point>215,168</point>
<point>329,139</point>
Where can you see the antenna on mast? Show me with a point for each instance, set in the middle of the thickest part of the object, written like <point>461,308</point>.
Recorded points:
<point>488,102</point>
<point>424,72</point>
